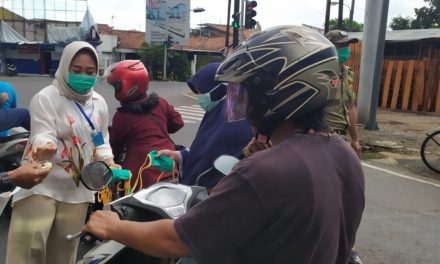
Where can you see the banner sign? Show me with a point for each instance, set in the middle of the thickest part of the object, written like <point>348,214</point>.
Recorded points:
<point>167,18</point>
<point>28,49</point>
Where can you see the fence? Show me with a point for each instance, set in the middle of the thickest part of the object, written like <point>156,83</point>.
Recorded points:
<point>407,85</point>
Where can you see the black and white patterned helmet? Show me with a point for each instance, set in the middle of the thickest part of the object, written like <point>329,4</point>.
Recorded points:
<point>288,71</point>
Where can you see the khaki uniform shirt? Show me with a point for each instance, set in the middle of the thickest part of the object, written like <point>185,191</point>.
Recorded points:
<point>336,110</point>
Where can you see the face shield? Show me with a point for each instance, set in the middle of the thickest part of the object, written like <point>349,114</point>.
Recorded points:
<point>237,101</point>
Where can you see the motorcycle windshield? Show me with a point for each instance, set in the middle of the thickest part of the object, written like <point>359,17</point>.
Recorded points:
<point>237,100</point>
<point>167,197</point>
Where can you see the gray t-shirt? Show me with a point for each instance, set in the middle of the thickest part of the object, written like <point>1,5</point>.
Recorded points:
<point>299,202</point>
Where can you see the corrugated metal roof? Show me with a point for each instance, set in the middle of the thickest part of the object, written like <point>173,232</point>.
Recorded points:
<point>405,35</point>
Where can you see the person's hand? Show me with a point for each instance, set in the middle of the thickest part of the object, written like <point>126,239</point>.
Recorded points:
<point>357,147</point>
<point>44,152</point>
<point>29,174</point>
<point>101,224</point>
<point>255,146</point>
<point>115,166</point>
<point>112,164</point>
<point>172,154</point>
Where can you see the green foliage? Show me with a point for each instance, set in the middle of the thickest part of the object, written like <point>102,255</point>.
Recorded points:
<point>178,69</point>
<point>152,57</point>
<point>179,66</point>
<point>425,17</point>
<point>399,23</point>
<point>356,27</point>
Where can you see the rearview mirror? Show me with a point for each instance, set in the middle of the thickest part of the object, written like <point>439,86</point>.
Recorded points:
<point>224,163</point>
<point>96,175</point>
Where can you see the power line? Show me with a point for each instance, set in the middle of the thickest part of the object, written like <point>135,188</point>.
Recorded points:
<point>317,11</point>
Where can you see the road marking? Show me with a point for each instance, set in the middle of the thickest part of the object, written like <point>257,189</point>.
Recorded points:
<point>400,175</point>
<point>193,108</point>
<point>190,113</point>
<point>190,95</point>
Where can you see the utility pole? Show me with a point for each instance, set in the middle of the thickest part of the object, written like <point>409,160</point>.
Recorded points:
<point>242,14</point>
<point>327,16</point>
<point>373,45</point>
<point>165,56</point>
<point>227,28</point>
<point>341,14</point>
<point>235,32</point>
<point>351,15</point>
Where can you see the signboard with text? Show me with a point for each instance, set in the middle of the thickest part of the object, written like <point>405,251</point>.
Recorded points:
<point>167,18</point>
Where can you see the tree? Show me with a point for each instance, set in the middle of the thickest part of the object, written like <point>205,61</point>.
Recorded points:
<point>357,27</point>
<point>179,67</point>
<point>399,23</point>
<point>178,64</point>
<point>425,17</point>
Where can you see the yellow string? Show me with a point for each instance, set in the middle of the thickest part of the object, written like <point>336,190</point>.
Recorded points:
<point>139,174</point>
<point>105,196</point>
<point>138,183</point>
<point>173,173</point>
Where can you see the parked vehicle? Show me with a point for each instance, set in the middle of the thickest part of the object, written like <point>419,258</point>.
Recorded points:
<point>12,148</point>
<point>11,69</point>
<point>11,152</point>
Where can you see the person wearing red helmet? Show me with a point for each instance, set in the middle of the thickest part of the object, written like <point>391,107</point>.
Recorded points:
<point>143,122</point>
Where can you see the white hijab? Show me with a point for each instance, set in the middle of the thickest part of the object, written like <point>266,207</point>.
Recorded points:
<point>63,70</point>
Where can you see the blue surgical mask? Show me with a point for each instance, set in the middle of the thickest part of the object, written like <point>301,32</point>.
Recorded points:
<point>205,102</point>
<point>81,83</point>
<point>343,54</point>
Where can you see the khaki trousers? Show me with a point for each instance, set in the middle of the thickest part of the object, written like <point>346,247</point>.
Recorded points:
<point>38,229</point>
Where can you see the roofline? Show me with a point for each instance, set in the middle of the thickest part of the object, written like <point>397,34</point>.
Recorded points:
<point>200,52</point>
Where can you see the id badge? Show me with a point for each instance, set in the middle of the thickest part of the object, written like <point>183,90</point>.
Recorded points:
<point>98,139</point>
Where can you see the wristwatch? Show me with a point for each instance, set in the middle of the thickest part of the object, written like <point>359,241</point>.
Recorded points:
<point>6,183</point>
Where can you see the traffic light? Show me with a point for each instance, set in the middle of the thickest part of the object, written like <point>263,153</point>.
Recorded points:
<point>250,14</point>
<point>235,22</point>
<point>169,41</point>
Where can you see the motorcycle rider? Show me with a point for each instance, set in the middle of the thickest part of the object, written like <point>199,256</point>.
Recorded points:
<point>142,123</point>
<point>10,115</point>
<point>196,162</point>
<point>300,201</point>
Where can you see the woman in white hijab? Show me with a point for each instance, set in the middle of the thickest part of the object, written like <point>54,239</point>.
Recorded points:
<point>69,123</point>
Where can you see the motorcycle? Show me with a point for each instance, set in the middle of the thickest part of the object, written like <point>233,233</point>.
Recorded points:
<point>162,200</point>
<point>11,69</point>
<point>11,151</point>
<point>12,148</point>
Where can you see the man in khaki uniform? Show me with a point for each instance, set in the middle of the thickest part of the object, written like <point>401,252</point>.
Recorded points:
<point>341,113</point>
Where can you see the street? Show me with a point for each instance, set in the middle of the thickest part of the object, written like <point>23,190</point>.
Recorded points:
<point>402,214</point>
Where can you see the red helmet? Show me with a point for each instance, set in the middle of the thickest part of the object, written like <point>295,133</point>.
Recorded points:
<point>129,78</point>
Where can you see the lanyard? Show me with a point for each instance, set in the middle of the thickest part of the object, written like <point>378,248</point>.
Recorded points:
<point>86,117</point>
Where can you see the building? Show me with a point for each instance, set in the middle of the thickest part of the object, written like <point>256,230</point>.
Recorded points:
<point>410,71</point>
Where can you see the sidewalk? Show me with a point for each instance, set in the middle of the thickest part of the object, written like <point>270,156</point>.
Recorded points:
<point>397,142</point>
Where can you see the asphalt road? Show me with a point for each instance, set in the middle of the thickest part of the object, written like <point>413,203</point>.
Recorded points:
<point>402,214</point>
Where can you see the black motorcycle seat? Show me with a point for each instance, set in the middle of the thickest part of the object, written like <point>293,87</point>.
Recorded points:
<point>15,136</point>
